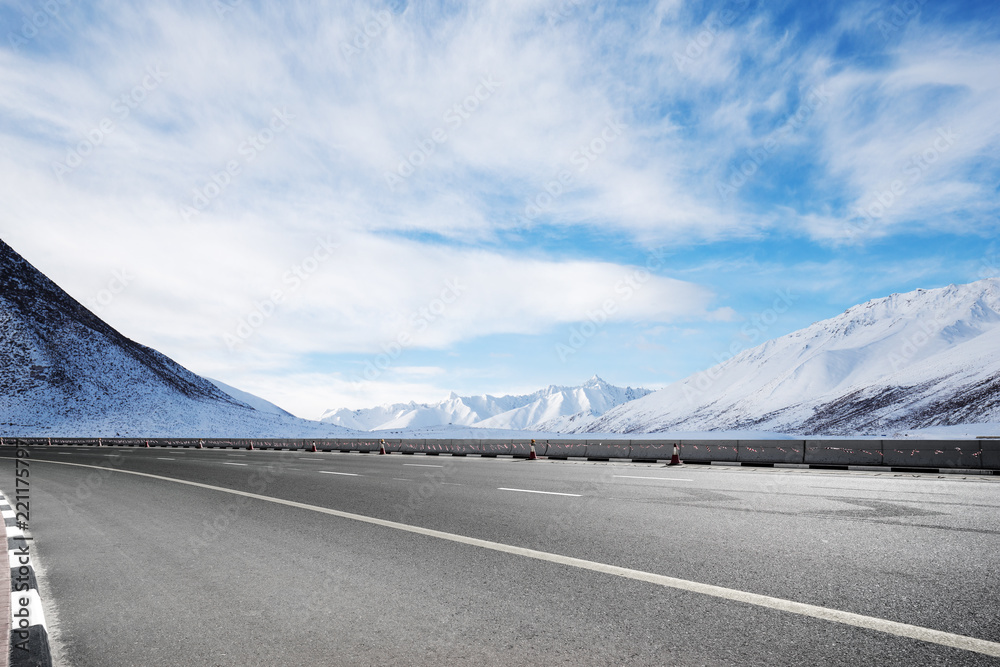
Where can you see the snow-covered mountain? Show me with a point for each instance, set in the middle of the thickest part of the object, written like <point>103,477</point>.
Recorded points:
<point>907,361</point>
<point>549,409</point>
<point>254,401</point>
<point>65,372</point>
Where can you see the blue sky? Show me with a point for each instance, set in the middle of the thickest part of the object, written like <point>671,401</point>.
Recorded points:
<point>351,203</point>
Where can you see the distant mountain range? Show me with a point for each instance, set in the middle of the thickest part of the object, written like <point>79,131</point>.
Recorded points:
<point>550,409</point>
<point>64,371</point>
<point>926,358</point>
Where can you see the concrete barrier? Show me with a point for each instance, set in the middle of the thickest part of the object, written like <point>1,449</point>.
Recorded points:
<point>844,452</point>
<point>521,448</point>
<point>560,449</point>
<point>602,450</point>
<point>436,446</point>
<point>651,450</point>
<point>932,453</point>
<point>771,451</point>
<point>481,447</point>
<point>709,450</point>
<point>990,454</point>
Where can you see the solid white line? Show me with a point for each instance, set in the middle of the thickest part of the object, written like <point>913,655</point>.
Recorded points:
<point>330,472</point>
<point>230,463</point>
<point>548,493</point>
<point>422,465</point>
<point>666,479</point>
<point>813,611</point>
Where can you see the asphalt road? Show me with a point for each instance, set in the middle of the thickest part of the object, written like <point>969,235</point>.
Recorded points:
<point>147,571</point>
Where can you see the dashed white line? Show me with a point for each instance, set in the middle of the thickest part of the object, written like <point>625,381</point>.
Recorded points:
<point>665,479</point>
<point>310,459</point>
<point>235,454</point>
<point>347,474</point>
<point>163,458</point>
<point>548,493</point>
<point>230,463</point>
<point>422,465</point>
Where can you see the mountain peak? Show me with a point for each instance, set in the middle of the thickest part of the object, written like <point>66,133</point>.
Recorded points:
<point>905,361</point>
<point>549,406</point>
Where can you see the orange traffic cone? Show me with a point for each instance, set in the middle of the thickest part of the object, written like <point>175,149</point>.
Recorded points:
<point>531,453</point>
<point>381,447</point>
<point>675,460</point>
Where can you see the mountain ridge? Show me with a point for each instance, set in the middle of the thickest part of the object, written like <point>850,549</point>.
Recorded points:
<point>906,361</point>
<point>64,371</point>
<point>514,412</point>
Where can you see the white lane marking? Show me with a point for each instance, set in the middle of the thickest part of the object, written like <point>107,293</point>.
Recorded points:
<point>813,611</point>
<point>665,479</point>
<point>230,463</point>
<point>310,459</point>
<point>452,484</point>
<point>330,472</point>
<point>163,458</point>
<point>548,493</point>
<point>422,465</point>
<point>402,479</point>
<point>235,454</point>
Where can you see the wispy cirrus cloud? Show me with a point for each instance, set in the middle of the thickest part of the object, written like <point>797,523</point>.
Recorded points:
<point>535,151</point>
